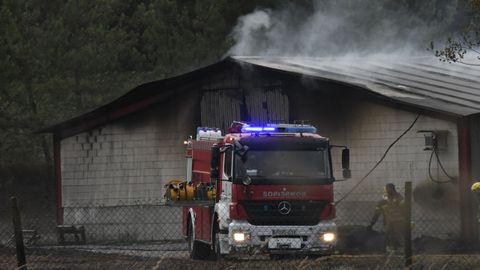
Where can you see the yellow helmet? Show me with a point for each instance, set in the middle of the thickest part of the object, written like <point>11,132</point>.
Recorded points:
<point>476,187</point>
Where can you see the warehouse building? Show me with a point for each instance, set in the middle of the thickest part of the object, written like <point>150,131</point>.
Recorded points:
<point>112,163</point>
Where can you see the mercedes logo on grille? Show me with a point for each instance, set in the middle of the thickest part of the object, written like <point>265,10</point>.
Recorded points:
<point>284,208</point>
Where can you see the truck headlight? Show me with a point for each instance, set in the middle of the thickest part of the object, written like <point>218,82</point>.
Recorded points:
<point>328,237</point>
<point>240,236</point>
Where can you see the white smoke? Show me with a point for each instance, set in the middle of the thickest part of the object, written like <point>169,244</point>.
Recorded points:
<point>341,27</point>
<point>248,25</point>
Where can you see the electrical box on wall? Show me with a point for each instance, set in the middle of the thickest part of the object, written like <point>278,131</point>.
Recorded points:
<point>435,139</point>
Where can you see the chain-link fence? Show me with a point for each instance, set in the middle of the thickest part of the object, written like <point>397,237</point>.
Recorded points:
<point>154,237</point>
<point>435,220</point>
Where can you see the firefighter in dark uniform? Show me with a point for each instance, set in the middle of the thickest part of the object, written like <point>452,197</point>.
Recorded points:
<point>392,208</point>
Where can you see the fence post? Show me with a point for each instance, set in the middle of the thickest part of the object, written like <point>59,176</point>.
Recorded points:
<point>408,224</point>
<point>17,227</point>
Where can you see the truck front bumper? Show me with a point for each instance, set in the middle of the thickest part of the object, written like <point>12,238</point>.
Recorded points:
<point>244,237</point>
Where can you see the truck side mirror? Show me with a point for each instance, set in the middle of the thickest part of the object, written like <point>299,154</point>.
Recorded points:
<point>346,163</point>
<point>214,171</point>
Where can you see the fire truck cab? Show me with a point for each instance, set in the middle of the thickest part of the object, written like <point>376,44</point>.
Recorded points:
<point>274,191</point>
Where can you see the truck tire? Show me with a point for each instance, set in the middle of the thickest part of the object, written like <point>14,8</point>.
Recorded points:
<point>190,236</point>
<point>198,250</point>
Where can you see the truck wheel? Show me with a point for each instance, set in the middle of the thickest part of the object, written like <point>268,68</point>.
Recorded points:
<point>190,237</point>
<point>198,250</point>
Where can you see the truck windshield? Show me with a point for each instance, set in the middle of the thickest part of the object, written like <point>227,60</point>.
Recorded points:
<point>290,165</point>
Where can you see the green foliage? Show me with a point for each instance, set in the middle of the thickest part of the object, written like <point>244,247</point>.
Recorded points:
<point>465,41</point>
<point>61,58</point>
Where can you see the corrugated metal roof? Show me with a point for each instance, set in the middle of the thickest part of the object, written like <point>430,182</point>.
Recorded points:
<point>421,81</point>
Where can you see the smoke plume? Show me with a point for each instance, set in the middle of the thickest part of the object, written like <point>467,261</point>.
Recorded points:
<point>332,28</point>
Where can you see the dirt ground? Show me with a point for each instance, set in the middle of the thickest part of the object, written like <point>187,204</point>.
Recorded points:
<point>338,262</point>
<point>78,261</point>
<point>83,260</point>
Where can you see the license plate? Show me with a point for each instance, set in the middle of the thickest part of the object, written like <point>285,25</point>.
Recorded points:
<point>285,243</point>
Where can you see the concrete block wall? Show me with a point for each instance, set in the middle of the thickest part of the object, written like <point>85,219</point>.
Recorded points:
<point>125,164</point>
<point>368,129</point>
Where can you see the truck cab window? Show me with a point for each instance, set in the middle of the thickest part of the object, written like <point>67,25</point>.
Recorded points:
<point>296,165</point>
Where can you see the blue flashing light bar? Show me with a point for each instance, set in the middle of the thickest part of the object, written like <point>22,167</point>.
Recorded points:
<point>252,129</point>
<point>300,129</point>
<point>278,128</point>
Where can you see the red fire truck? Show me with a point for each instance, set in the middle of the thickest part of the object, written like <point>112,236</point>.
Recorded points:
<point>274,191</point>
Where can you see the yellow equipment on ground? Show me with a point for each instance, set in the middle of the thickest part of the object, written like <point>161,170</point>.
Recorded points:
<point>178,190</point>
<point>211,192</point>
<point>172,190</point>
<point>186,191</point>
